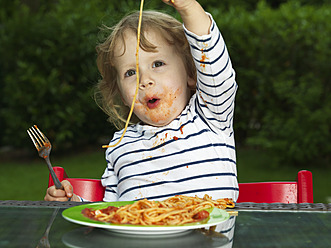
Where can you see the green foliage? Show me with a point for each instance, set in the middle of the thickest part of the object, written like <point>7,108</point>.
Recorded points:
<point>251,5</point>
<point>281,58</point>
<point>48,71</point>
<point>280,50</point>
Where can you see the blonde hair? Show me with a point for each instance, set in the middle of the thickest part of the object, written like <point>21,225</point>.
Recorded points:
<point>107,94</point>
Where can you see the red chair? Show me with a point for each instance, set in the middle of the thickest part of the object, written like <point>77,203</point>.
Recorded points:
<point>89,189</point>
<point>299,191</point>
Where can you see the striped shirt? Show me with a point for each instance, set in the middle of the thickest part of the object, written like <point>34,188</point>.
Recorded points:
<point>195,153</point>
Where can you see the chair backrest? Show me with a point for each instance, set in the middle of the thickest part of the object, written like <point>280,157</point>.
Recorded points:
<point>89,189</point>
<point>299,191</point>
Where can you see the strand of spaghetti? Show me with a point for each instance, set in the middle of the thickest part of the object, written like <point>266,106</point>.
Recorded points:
<point>137,76</point>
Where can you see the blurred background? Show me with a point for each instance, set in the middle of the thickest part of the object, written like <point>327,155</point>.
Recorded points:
<point>279,49</point>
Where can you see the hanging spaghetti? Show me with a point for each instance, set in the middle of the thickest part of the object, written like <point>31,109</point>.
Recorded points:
<point>137,76</point>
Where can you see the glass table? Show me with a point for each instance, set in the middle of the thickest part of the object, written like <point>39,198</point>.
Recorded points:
<point>24,223</point>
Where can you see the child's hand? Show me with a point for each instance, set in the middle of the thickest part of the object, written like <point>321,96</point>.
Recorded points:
<point>53,194</point>
<point>193,15</point>
<point>179,4</point>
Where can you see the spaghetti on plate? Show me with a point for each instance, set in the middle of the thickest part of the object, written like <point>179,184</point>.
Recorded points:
<point>176,210</point>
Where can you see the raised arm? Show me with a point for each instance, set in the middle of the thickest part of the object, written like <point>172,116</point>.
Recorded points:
<point>193,15</point>
<point>216,85</point>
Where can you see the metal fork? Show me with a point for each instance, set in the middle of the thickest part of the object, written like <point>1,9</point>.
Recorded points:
<point>43,146</point>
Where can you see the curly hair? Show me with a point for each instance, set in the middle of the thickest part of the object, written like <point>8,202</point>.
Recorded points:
<point>107,94</point>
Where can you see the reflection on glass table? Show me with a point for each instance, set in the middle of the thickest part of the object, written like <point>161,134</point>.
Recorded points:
<point>24,226</point>
<point>103,238</point>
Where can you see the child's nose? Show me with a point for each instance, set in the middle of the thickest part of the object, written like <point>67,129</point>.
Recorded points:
<point>146,82</point>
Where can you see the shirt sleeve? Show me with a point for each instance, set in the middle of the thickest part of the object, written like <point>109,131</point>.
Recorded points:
<point>216,85</point>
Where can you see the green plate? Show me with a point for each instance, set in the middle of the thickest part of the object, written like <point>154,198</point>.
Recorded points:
<point>74,214</point>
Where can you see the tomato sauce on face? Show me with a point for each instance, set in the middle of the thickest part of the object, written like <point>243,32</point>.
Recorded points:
<point>160,108</point>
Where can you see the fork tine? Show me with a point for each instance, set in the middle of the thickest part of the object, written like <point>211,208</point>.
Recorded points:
<point>40,134</point>
<point>33,139</point>
<point>37,136</point>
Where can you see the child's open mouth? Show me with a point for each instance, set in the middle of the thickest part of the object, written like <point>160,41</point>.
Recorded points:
<point>153,102</point>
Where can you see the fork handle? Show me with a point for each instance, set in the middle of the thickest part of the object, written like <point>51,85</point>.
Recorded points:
<point>56,181</point>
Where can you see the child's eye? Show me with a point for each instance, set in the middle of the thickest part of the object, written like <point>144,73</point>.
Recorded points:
<point>158,64</point>
<point>130,73</point>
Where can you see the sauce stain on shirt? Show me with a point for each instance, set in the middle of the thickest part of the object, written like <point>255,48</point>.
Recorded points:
<point>160,140</point>
<point>203,57</point>
<point>200,94</point>
<point>181,129</point>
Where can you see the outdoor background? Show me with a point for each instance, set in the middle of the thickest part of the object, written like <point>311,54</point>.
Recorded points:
<point>279,49</point>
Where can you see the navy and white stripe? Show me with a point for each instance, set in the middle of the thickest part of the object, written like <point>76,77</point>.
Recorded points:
<point>195,153</point>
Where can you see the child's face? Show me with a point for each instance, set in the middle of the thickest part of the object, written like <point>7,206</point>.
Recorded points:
<point>164,84</point>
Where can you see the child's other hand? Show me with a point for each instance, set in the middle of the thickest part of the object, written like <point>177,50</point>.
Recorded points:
<point>53,194</point>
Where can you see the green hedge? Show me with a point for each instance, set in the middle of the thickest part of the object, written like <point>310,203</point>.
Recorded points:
<point>280,53</point>
<point>48,71</point>
<point>283,71</point>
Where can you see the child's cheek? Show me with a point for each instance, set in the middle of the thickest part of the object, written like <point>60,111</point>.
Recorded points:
<point>128,98</point>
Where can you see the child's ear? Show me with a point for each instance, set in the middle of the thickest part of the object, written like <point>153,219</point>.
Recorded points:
<point>191,82</point>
